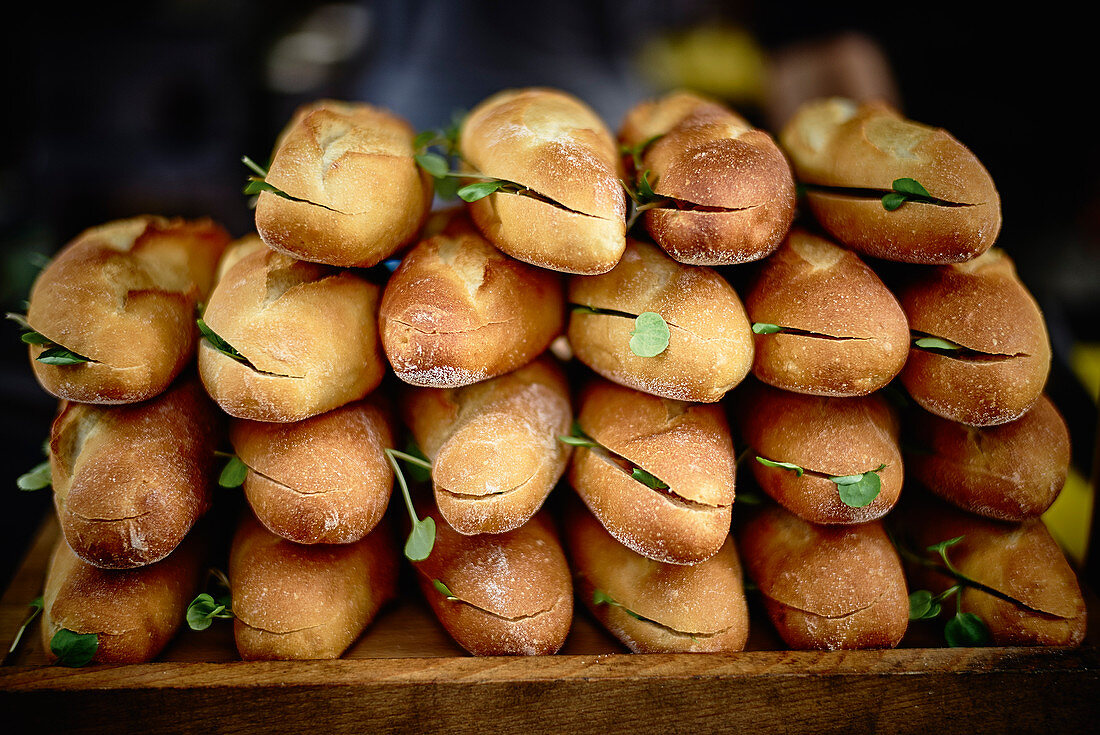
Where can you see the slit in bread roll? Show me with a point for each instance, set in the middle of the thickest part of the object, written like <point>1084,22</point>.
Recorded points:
<point>322,480</point>
<point>134,613</point>
<point>732,196</point>
<point>842,332</point>
<point>123,295</point>
<point>505,594</point>
<point>292,601</point>
<point>307,335</point>
<point>493,445</point>
<point>1009,472</point>
<point>827,438</point>
<point>826,587</point>
<point>457,311</point>
<point>658,607</point>
<point>353,191</point>
<point>687,447</point>
<point>130,481</point>
<point>554,146</point>
<point>1022,561</point>
<point>710,345</point>
<point>849,155</point>
<point>1002,356</point>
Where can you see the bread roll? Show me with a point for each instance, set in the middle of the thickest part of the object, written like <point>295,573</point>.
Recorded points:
<point>133,612</point>
<point>850,155</point>
<point>826,437</point>
<point>322,480</point>
<point>571,215</point>
<point>685,446</point>
<point>306,602</point>
<point>1004,359</point>
<point>710,347</point>
<point>494,448</point>
<point>123,295</point>
<point>826,587</point>
<point>129,482</point>
<point>308,335</point>
<point>509,593</point>
<point>844,333</point>
<point>1009,472</point>
<point>1021,561</point>
<point>661,608</point>
<point>731,190</point>
<point>237,250</point>
<point>354,193</point>
<point>457,311</point>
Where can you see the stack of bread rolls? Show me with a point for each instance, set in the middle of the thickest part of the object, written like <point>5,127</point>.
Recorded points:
<point>574,323</point>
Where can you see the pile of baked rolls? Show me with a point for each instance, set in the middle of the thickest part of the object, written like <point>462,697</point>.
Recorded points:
<point>573,321</point>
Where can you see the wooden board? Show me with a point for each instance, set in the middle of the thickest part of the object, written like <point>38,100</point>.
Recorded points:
<point>405,674</point>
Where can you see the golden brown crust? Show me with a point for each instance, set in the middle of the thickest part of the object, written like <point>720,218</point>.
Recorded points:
<point>123,295</point>
<point>130,482</point>
<point>358,194</point>
<point>553,144</point>
<point>734,186</point>
<point>686,446</point>
<point>306,602</point>
<point>237,250</point>
<point>309,331</point>
<point>451,313</point>
<point>827,437</point>
<point>983,306</point>
<point>134,612</point>
<point>826,587</point>
<point>324,480</point>
<point>695,608</point>
<point>1022,561</point>
<point>1009,472</point>
<point>811,285</point>
<point>514,591</point>
<point>710,348</point>
<point>836,143</point>
<point>494,448</point>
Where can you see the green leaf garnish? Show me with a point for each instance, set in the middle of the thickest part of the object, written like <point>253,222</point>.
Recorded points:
<point>73,649</point>
<point>937,343</point>
<point>233,474</point>
<point>942,547</point>
<point>36,606</point>
<point>893,200</point>
<point>480,189</point>
<point>650,335</point>
<point>443,590</point>
<point>433,163</point>
<point>857,491</point>
<point>204,609</point>
<point>636,151</point>
<point>600,597</point>
<point>922,606</point>
<point>762,328</point>
<point>61,356</point>
<point>645,189</point>
<point>966,630</point>
<point>647,479</point>
<point>38,478</point>
<point>218,343</point>
<point>420,471</point>
<point>418,546</point>
<point>781,465</point>
<point>578,438</point>
<point>905,190</point>
<point>34,338</point>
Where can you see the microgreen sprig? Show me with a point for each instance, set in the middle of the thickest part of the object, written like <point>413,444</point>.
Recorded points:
<point>73,649</point>
<point>855,491</point>
<point>964,628</point>
<point>418,546</point>
<point>36,606</point>
<point>906,190</point>
<point>207,607</point>
<point>650,335</point>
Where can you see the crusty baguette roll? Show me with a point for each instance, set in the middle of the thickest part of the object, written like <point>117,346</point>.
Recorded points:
<point>843,332</point>
<point>572,215</point>
<point>710,346</point>
<point>123,295</point>
<point>508,593</point>
<point>355,192</point>
<point>658,607</point>
<point>130,481</point>
<point>308,334</point>
<point>1022,561</point>
<point>494,448</point>
<point>687,447</point>
<point>237,250</point>
<point>826,587</point>
<point>826,437</point>
<point>1009,472</point>
<point>322,480</point>
<point>133,612</point>
<point>457,311</point>
<point>305,602</point>
<point>850,155</point>
<point>982,307</point>
<point>731,190</point>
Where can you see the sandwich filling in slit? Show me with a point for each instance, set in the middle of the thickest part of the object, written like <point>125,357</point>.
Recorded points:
<point>764,328</point>
<point>956,351</point>
<point>450,596</point>
<point>600,597</point>
<point>884,195</point>
<point>215,341</point>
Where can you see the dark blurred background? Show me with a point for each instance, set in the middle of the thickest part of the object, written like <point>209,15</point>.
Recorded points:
<point>148,108</point>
